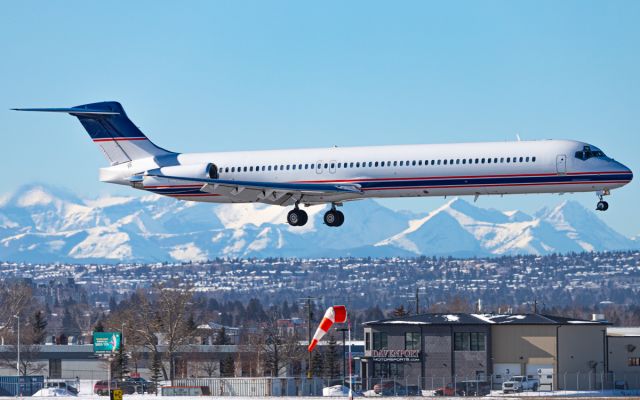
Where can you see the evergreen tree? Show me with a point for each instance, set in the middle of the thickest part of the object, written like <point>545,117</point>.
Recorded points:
<point>228,367</point>
<point>69,325</point>
<point>221,337</point>
<point>156,372</point>
<point>317,364</point>
<point>99,327</point>
<point>120,364</point>
<point>39,326</point>
<point>113,305</point>
<point>332,359</point>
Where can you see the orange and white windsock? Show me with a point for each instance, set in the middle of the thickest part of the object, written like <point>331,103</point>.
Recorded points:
<point>332,315</point>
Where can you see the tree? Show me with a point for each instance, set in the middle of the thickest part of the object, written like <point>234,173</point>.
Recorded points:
<point>120,363</point>
<point>99,327</point>
<point>399,311</point>
<point>156,371</point>
<point>228,367</point>
<point>332,359</point>
<point>39,328</point>
<point>221,337</point>
<point>209,367</point>
<point>317,363</point>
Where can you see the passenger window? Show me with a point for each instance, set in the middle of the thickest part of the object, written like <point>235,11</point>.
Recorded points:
<point>508,159</point>
<point>326,165</point>
<point>419,162</point>
<point>251,169</point>
<point>488,161</point>
<point>483,160</point>
<point>533,159</point>
<point>501,160</point>
<point>333,165</point>
<point>288,166</point>
<point>477,160</point>
<point>413,163</point>
<point>445,162</point>
<point>350,165</point>
<point>281,167</point>
<point>401,162</point>
<point>375,164</point>
<point>357,165</point>
<point>245,169</point>
<point>439,161</point>
<point>395,163</point>
<point>520,159</point>
<point>382,163</point>
<point>464,160</point>
<point>527,159</point>
<point>457,161</point>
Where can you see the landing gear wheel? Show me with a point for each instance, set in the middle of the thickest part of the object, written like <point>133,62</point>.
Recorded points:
<point>334,218</point>
<point>602,206</point>
<point>297,217</point>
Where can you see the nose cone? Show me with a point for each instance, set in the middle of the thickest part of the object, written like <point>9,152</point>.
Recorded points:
<point>624,170</point>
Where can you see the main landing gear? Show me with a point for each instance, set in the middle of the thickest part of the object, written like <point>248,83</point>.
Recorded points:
<point>602,205</point>
<point>333,217</point>
<point>297,217</point>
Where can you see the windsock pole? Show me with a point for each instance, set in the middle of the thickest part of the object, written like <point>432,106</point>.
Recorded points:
<point>350,372</point>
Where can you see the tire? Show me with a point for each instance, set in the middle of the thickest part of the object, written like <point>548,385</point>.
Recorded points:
<point>340,218</point>
<point>304,217</point>
<point>535,388</point>
<point>293,217</point>
<point>330,218</point>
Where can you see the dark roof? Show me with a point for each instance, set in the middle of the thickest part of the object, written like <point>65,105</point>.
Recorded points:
<point>482,319</point>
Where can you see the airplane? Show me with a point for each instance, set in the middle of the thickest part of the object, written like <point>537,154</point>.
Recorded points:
<point>335,175</point>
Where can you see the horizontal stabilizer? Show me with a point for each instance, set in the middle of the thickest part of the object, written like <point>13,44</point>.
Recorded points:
<point>72,110</point>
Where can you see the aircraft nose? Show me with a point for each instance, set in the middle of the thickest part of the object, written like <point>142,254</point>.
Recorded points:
<point>626,170</point>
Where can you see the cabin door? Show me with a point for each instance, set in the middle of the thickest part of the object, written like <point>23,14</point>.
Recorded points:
<point>561,164</point>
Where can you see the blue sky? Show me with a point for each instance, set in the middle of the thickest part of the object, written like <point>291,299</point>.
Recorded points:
<point>242,75</point>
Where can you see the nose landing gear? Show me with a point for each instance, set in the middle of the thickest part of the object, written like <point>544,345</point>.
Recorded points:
<point>602,205</point>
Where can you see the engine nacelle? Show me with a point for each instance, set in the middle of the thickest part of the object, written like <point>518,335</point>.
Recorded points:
<point>198,171</point>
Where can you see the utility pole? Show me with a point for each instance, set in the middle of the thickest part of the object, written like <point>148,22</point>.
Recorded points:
<point>417,301</point>
<point>344,357</point>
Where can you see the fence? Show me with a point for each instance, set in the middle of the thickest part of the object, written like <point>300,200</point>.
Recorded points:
<point>565,383</point>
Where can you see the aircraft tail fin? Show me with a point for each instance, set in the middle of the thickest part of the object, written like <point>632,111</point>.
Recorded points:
<point>111,129</point>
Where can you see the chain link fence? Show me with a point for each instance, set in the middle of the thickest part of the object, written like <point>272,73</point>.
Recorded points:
<point>87,382</point>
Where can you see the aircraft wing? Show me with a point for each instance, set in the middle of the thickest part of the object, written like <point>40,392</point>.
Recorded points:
<point>283,193</point>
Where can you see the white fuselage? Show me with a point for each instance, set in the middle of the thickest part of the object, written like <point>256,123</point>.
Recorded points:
<point>545,166</point>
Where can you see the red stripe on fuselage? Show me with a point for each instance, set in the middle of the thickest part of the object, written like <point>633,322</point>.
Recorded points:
<point>495,185</point>
<point>456,177</point>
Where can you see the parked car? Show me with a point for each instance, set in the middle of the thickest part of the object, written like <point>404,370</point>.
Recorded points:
<point>68,385</point>
<point>141,385</point>
<point>464,388</point>
<point>520,383</point>
<point>128,386</point>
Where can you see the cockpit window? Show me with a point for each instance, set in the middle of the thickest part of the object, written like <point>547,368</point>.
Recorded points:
<point>589,152</point>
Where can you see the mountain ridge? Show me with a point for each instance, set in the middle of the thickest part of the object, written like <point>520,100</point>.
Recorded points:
<point>40,223</point>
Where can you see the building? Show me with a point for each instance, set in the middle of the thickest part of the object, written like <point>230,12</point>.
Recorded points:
<point>431,350</point>
<point>623,356</point>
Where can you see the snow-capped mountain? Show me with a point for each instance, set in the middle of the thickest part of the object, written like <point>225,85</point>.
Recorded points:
<point>39,223</point>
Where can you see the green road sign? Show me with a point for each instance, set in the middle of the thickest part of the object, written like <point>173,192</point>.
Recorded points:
<point>106,342</point>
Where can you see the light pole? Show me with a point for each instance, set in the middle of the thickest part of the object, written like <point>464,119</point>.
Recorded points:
<point>18,362</point>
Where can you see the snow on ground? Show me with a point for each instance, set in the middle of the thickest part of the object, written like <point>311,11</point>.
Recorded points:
<point>86,392</point>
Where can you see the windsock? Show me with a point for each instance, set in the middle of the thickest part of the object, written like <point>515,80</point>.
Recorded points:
<point>332,315</point>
